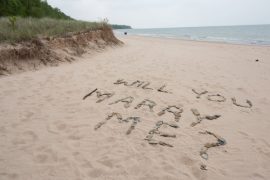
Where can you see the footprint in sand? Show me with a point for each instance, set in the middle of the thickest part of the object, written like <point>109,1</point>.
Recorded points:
<point>25,139</point>
<point>57,127</point>
<point>5,175</point>
<point>44,155</point>
<point>106,161</point>
<point>27,117</point>
<point>196,172</point>
<point>187,161</point>
<point>258,176</point>
<point>81,160</point>
<point>76,135</point>
<point>3,130</point>
<point>95,173</point>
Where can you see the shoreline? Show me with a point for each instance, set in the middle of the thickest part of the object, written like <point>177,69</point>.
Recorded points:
<point>192,40</point>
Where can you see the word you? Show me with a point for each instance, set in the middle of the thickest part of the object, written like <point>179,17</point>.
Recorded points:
<point>220,98</point>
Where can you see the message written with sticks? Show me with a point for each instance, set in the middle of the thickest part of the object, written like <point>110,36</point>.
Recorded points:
<point>175,110</point>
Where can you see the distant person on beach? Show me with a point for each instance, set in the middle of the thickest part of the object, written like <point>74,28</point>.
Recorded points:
<point>125,33</point>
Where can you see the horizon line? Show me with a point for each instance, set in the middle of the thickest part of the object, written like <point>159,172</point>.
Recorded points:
<point>200,26</point>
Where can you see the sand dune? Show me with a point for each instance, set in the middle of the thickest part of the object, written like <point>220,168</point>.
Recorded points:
<point>47,130</point>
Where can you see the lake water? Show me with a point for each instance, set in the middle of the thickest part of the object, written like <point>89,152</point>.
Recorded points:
<point>253,34</point>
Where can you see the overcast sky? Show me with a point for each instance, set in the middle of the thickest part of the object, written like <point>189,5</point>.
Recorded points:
<point>168,13</point>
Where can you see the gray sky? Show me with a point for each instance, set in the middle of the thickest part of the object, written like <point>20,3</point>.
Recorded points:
<point>168,13</point>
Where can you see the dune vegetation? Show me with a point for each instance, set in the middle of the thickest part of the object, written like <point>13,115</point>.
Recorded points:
<point>22,20</point>
<point>15,29</point>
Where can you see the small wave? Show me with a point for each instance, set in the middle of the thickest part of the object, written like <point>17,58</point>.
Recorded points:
<point>236,35</point>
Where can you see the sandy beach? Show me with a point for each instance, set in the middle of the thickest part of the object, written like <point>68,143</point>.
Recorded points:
<point>211,99</point>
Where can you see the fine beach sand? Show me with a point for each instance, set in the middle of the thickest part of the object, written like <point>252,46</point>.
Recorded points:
<point>47,129</point>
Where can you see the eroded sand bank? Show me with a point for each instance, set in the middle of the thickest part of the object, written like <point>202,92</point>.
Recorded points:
<point>47,130</point>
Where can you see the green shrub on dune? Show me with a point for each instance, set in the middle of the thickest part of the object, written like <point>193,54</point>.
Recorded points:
<point>33,8</point>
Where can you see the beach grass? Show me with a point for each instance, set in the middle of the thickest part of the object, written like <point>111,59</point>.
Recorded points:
<point>28,28</point>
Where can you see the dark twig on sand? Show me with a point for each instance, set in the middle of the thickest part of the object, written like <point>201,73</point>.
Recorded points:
<point>200,118</point>
<point>244,106</point>
<point>99,95</point>
<point>161,89</point>
<point>199,94</point>
<point>87,95</point>
<point>216,98</point>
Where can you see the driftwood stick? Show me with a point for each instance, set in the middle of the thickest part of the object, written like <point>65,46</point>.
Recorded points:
<point>199,94</point>
<point>244,106</point>
<point>87,95</point>
<point>219,98</point>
